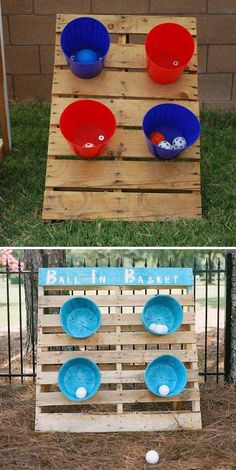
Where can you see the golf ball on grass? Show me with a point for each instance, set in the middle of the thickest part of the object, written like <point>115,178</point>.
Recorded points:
<point>86,56</point>
<point>152,457</point>
<point>163,390</point>
<point>165,145</point>
<point>179,143</point>
<point>81,392</point>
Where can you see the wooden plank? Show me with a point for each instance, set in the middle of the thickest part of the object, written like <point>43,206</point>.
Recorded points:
<point>4,105</point>
<point>103,339</point>
<point>125,300</point>
<point>148,175</point>
<point>62,205</point>
<point>128,112</point>
<point>121,56</point>
<point>131,24</point>
<point>114,319</point>
<point>110,377</point>
<point>114,397</point>
<point>123,84</point>
<point>79,422</point>
<point>125,143</point>
<point>112,357</point>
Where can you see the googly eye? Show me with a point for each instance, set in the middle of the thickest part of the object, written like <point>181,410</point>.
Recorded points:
<point>72,57</point>
<point>175,63</point>
<point>88,145</point>
<point>101,137</point>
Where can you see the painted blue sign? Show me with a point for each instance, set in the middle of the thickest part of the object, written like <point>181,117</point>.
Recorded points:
<point>115,277</point>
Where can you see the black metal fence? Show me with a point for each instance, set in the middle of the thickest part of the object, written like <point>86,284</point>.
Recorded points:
<point>214,349</point>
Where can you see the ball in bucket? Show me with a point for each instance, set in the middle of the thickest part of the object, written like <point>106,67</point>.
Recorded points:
<point>162,315</point>
<point>85,43</point>
<point>169,48</point>
<point>79,378</point>
<point>87,125</point>
<point>177,123</point>
<point>80,317</point>
<point>166,376</point>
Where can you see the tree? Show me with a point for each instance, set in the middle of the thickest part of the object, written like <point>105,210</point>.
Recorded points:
<point>33,260</point>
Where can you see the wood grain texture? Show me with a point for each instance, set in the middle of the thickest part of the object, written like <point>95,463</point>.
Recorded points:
<point>63,205</point>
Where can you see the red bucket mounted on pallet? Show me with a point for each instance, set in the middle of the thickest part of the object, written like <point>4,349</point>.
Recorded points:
<point>169,48</point>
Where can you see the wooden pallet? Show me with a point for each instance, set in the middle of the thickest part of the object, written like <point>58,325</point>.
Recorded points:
<point>122,350</point>
<point>126,182</point>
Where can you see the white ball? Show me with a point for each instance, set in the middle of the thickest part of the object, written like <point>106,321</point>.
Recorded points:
<point>165,145</point>
<point>152,457</point>
<point>164,390</point>
<point>159,329</point>
<point>101,137</point>
<point>81,392</point>
<point>179,143</point>
<point>152,327</point>
<point>164,329</point>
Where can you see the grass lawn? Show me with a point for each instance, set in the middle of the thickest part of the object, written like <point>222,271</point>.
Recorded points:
<point>22,184</point>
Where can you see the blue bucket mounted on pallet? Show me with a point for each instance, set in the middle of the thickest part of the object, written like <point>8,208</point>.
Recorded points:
<point>80,317</point>
<point>167,371</point>
<point>85,43</point>
<point>162,310</point>
<point>76,373</point>
<point>171,120</point>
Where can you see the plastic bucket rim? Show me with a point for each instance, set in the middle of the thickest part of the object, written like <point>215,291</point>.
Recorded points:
<point>161,357</point>
<point>166,69</point>
<point>149,301</point>
<point>95,366</point>
<point>176,106</point>
<point>75,20</point>
<point>87,300</point>
<point>104,142</point>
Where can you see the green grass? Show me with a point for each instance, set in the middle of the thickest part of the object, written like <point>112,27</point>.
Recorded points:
<point>22,185</point>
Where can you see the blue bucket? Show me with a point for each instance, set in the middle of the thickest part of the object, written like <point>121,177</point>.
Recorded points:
<point>166,371</point>
<point>171,120</point>
<point>85,43</point>
<point>76,373</point>
<point>162,310</point>
<point>80,317</point>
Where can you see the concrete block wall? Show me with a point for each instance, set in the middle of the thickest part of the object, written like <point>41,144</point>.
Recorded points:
<point>29,32</point>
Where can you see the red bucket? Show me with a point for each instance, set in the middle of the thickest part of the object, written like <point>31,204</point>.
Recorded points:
<point>169,47</point>
<point>87,125</point>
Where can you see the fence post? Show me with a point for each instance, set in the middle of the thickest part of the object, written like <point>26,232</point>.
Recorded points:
<point>228,312</point>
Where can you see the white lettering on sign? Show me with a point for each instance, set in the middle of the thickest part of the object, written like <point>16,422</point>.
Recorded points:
<point>102,279</point>
<point>175,279</point>
<point>140,280</point>
<point>61,280</point>
<point>51,276</point>
<point>93,276</point>
<point>129,276</point>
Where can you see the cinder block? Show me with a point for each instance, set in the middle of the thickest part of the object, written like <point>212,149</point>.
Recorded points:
<point>215,87</point>
<point>222,59</point>
<point>44,7</point>
<point>202,59</point>
<point>46,58</point>
<point>33,87</point>
<point>5,26</point>
<point>178,7</point>
<point>120,7</point>
<point>32,29</point>
<point>216,29</point>
<point>10,87</point>
<point>225,105</point>
<point>22,59</point>
<point>16,7</point>
<point>221,6</point>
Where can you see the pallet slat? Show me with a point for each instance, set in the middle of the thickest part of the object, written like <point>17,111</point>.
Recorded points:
<point>68,205</point>
<point>123,84</point>
<point>68,422</point>
<point>152,175</point>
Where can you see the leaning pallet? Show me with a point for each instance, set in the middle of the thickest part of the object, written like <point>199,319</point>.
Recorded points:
<point>121,348</point>
<point>126,182</point>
